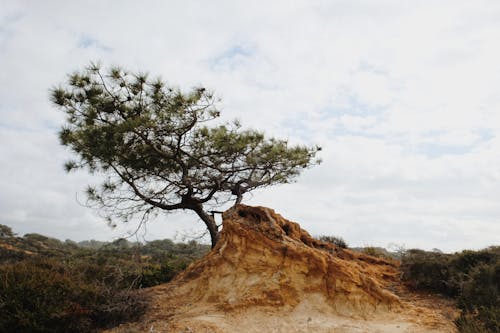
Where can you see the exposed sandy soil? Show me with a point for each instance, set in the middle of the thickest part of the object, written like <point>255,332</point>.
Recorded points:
<point>13,248</point>
<point>267,274</point>
<point>311,315</point>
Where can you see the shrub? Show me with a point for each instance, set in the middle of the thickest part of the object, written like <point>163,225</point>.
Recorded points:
<point>339,241</point>
<point>156,274</point>
<point>428,270</point>
<point>483,289</point>
<point>481,296</point>
<point>11,255</point>
<point>447,274</point>
<point>470,324</point>
<point>43,295</point>
<point>468,260</point>
<point>377,252</point>
<point>472,277</point>
<point>483,319</point>
<point>51,286</point>
<point>6,231</point>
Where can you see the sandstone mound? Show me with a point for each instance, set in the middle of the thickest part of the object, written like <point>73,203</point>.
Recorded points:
<point>266,274</point>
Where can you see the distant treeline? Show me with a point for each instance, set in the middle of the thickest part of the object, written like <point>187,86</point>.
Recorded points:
<point>47,285</point>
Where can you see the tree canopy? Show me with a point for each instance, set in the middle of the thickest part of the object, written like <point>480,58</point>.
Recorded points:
<point>154,144</point>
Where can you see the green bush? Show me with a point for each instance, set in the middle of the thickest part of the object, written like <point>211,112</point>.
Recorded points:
<point>377,252</point>
<point>467,323</point>
<point>156,274</point>
<point>472,277</point>
<point>43,295</point>
<point>6,231</point>
<point>339,241</point>
<point>483,319</point>
<point>481,296</point>
<point>483,289</point>
<point>429,271</point>
<point>447,274</point>
<point>51,286</point>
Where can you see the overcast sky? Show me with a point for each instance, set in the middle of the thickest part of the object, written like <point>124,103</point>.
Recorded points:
<point>403,96</point>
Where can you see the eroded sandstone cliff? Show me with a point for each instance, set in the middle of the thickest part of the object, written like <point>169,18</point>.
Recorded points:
<point>264,259</point>
<point>266,274</point>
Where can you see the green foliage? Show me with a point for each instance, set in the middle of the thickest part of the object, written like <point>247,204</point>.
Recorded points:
<point>52,286</point>
<point>429,270</point>
<point>161,250</point>
<point>378,252</point>
<point>467,323</point>
<point>5,231</point>
<point>472,277</point>
<point>44,295</point>
<point>483,289</point>
<point>157,151</point>
<point>155,274</point>
<point>481,296</point>
<point>482,320</point>
<point>339,241</point>
<point>445,273</point>
<point>91,244</point>
<point>16,248</point>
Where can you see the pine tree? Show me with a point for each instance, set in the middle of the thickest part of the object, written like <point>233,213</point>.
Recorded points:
<point>157,151</point>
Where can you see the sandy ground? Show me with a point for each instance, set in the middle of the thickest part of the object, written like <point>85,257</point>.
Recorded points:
<point>293,323</point>
<point>421,313</point>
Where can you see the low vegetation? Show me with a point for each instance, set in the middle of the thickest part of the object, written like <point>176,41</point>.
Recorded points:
<point>471,277</point>
<point>51,286</point>
<point>336,240</point>
<point>47,285</point>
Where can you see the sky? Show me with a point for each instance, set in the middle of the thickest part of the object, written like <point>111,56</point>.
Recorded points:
<point>403,97</point>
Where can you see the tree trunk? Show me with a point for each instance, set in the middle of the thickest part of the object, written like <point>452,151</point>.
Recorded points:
<point>209,221</point>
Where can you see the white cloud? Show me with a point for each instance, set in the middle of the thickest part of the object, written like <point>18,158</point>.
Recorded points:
<point>402,97</point>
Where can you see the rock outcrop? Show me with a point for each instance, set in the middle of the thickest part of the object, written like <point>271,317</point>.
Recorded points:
<point>264,259</point>
<point>266,274</point>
